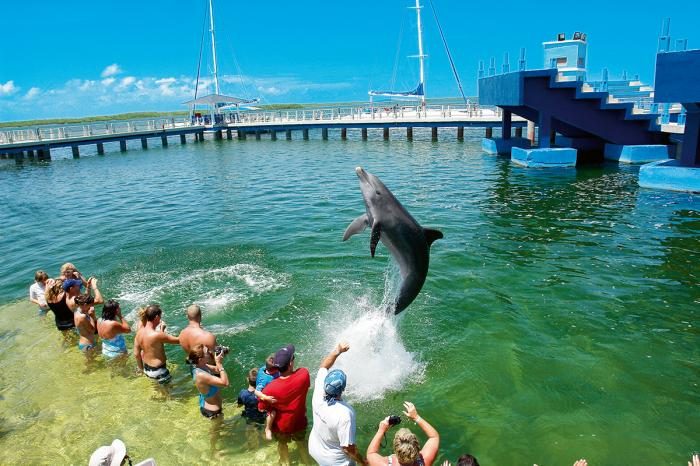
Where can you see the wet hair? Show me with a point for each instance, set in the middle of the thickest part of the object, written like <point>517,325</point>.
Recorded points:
<point>406,446</point>
<point>196,353</point>
<point>40,276</point>
<point>82,299</point>
<point>51,292</point>
<point>467,460</point>
<point>270,364</point>
<point>194,312</point>
<point>252,377</point>
<point>109,310</point>
<point>153,311</point>
<point>142,315</point>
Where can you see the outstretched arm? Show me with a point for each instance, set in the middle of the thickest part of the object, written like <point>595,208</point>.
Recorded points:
<point>329,360</point>
<point>374,458</point>
<point>430,449</point>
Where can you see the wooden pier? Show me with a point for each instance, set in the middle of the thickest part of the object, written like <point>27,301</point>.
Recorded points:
<point>38,142</point>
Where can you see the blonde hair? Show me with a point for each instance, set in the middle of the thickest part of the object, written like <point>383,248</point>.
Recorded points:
<point>406,446</point>
<point>196,353</point>
<point>54,290</point>
<point>68,266</point>
<point>142,315</point>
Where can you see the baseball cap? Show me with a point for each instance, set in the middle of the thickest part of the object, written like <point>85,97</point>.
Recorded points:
<point>284,355</point>
<point>70,283</point>
<point>334,383</point>
<point>109,455</point>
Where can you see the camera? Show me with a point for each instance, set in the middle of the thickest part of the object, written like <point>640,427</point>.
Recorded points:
<point>219,349</point>
<point>394,419</point>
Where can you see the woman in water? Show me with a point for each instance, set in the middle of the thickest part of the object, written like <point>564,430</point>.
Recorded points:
<point>407,450</point>
<point>56,299</point>
<point>208,384</point>
<point>111,329</point>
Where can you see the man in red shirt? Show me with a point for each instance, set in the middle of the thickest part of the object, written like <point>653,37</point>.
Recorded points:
<point>289,391</point>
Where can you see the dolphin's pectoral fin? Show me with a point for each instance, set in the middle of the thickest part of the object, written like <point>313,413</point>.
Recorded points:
<point>357,226</point>
<point>376,235</point>
<point>432,235</point>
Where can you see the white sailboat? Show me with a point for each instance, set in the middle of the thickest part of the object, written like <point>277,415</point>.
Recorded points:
<point>215,103</point>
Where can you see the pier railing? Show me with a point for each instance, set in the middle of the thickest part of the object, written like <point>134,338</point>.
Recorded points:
<point>378,112</point>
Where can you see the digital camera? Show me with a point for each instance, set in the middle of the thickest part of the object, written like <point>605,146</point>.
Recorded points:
<point>218,349</point>
<point>394,419</point>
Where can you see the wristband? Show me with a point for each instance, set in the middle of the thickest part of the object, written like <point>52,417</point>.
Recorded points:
<point>417,419</point>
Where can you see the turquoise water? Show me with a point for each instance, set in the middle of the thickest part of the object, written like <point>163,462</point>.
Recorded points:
<point>559,319</point>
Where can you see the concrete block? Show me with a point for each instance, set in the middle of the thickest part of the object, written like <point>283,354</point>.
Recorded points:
<point>544,157</point>
<point>503,146</point>
<point>669,175</point>
<point>636,154</point>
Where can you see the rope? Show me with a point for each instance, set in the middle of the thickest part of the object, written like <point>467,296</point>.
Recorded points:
<point>449,55</point>
<point>201,47</point>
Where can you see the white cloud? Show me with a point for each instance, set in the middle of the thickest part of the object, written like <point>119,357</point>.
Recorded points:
<point>126,82</point>
<point>111,70</point>
<point>31,93</point>
<point>108,82</point>
<point>8,88</point>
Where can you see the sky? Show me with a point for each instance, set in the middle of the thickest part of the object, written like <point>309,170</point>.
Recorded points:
<point>73,58</point>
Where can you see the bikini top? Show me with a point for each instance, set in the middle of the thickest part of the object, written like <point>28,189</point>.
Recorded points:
<point>213,390</point>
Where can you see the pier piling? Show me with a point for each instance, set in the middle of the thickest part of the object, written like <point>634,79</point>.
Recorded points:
<point>489,133</point>
<point>434,134</point>
<point>144,143</point>
<point>531,132</point>
<point>409,133</point>
<point>183,139</point>
<point>164,140</point>
<point>217,135</point>
<point>257,135</point>
<point>460,133</point>
<point>364,134</point>
<point>305,133</point>
<point>507,124</point>
<point>288,134</point>
<point>386,134</point>
<point>343,133</point>
<point>44,154</point>
<point>518,132</point>
<point>229,134</point>
<point>241,134</point>
<point>100,148</point>
<point>324,134</point>
<point>122,145</point>
<point>76,151</point>
<point>273,135</point>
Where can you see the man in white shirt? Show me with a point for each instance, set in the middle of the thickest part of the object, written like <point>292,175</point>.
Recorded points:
<point>332,439</point>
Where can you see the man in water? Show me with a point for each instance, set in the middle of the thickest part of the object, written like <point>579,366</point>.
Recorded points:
<point>332,439</point>
<point>194,334</point>
<point>149,346</point>
<point>290,390</point>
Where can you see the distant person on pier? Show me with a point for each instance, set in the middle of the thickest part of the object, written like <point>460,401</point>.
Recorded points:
<point>37,291</point>
<point>407,450</point>
<point>194,334</point>
<point>332,438</point>
<point>111,328</point>
<point>290,391</point>
<point>149,347</point>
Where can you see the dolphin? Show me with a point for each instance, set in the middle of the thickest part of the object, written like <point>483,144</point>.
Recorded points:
<point>408,242</point>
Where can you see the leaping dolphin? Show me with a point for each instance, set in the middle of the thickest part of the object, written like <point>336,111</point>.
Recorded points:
<point>408,242</point>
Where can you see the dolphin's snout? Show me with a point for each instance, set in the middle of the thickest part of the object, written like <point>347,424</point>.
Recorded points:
<point>359,170</point>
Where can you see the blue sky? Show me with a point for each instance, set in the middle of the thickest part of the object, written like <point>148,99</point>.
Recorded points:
<point>74,58</point>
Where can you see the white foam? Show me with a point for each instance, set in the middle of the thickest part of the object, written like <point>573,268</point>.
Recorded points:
<point>377,361</point>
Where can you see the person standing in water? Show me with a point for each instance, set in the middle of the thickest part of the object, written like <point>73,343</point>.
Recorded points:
<point>37,290</point>
<point>149,346</point>
<point>194,334</point>
<point>111,328</point>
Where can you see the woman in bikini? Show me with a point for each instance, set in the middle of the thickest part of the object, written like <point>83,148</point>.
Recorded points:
<point>208,384</point>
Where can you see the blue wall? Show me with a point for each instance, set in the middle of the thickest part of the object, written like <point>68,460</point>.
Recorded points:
<point>678,77</point>
<point>503,89</point>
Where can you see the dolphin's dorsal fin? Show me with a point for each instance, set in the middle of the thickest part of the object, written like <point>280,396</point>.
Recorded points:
<point>432,235</point>
<point>357,226</point>
<point>376,235</point>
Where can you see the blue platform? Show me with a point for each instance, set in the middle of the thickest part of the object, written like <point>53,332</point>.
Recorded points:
<point>503,146</point>
<point>545,157</point>
<point>636,154</point>
<point>669,175</point>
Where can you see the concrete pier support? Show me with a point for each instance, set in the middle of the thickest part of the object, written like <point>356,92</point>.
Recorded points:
<point>636,154</point>
<point>201,136</point>
<point>364,134</point>
<point>519,132</point>
<point>44,154</point>
<point>544,157</point>
<point>489,133</point>
<point>144,143</point>
<point>76,151</point>
<point>506,121</point>
<point>241,134</point>
<point>164,140</point>
<point>343,133</point>
<point>460,133</point>
<point>545,131</point>
<point>324,134</point>
<point>305,133</point>
<point>229,134</point>
<point>30,154</point>
<point>434,134</point>
<point>258,135</point>
<point>217,135</point>
<point>288,134</point>
<point>183,139</point>
<point>386,134</point>
<point>100,148</point>
<point>122,145</point>
<point>273,135</point>
<point>409,133</point>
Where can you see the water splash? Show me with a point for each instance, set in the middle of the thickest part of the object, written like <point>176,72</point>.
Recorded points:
<point>377,361</point>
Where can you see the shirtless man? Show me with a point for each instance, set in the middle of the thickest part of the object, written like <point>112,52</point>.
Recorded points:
<point>194,334</point>
<point>149,349</point>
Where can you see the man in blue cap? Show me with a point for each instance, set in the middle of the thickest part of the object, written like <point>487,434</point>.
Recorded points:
<point>332,439</point>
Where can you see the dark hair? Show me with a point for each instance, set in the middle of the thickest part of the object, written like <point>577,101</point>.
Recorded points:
<point>196,353</point>
<point>84,299</point>
<point>252,377</point>
<point>40,276</point>
<point>270,364</point>
<point>109,310</point>
<point>153,311</point>
<point>467,460</point>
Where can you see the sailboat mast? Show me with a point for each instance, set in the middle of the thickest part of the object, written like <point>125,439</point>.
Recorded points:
<point>421,56</point>
<point>213,46</point>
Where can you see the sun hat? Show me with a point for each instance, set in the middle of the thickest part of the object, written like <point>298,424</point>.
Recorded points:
<point>70,283</point>
<point>335,382</point>
<point>284,355</point>
<point>111,455</point>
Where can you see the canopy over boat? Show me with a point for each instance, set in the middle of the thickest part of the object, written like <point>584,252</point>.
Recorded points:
<point>219,100</point>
